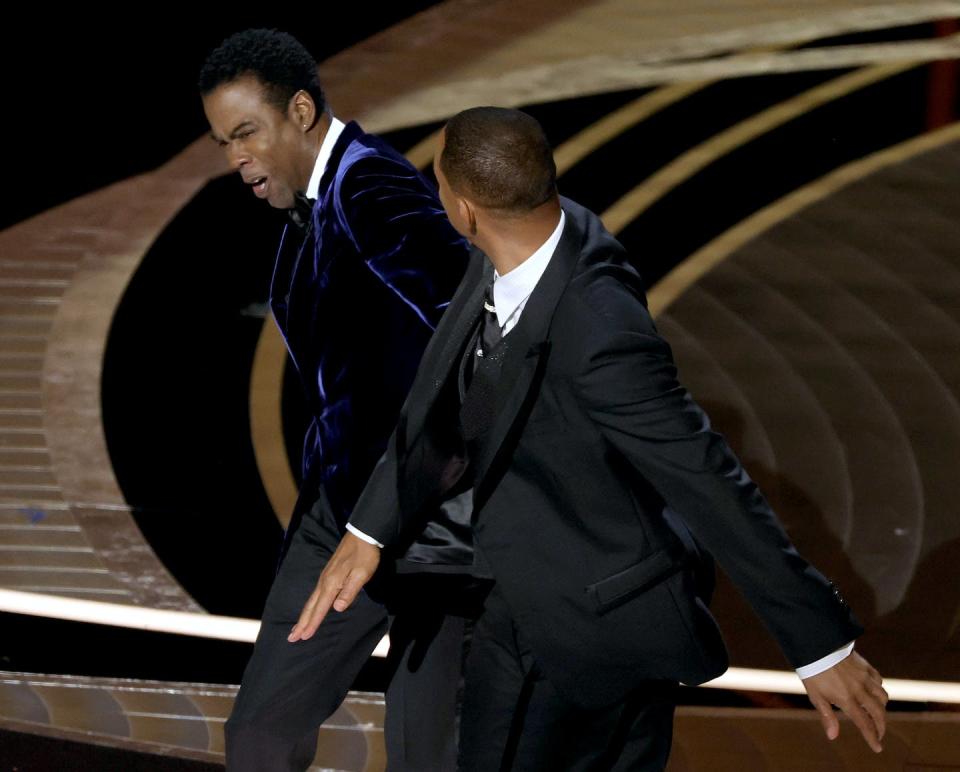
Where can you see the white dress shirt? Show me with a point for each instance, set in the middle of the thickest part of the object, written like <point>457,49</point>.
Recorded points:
<point>510,294</point>
<point>323,157</point>
<point>511,291</point>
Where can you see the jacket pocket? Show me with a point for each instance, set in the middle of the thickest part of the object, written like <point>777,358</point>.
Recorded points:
<point>627,584</point>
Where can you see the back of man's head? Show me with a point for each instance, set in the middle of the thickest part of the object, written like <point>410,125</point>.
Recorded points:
<point>500,159</point>
<point>276,59</point>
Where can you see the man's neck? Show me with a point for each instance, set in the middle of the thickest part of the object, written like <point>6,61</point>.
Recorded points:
<point>509,242</point>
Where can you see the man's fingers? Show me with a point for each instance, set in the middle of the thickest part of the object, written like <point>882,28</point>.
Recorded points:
<point>349,591</point>
<point>304,616</point>
<point>831,725</point>
<point>868,717</point>
<point>873,701</point>
<point>349,568</point>
<point>882,695</point>
<point>325,600</point>
<point>872,698</point>
<point>864,722</point>
<point>315,610</point>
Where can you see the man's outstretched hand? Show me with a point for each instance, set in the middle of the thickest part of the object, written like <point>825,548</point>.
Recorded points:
<point>350,567</point>
<point>857,689</point>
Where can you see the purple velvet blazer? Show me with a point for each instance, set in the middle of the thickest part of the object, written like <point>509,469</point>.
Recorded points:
<point>356,299</point>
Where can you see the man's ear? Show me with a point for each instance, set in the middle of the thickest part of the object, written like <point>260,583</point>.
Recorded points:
<point>303,110</point>
<point>468,214</point>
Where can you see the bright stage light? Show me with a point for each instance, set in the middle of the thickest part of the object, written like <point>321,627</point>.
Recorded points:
<point>245,630</point>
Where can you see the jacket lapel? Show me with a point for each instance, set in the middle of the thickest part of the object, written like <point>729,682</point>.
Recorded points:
<point>447,342</point>
<point>294,244</point>
<point>350,132</point>
<point>526,359</point>
<point>325,208</point>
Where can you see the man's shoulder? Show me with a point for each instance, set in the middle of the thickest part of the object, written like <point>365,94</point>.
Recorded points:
<point>369,168</point>
<point>588,226</point>
<point>606,293</point>
<point>602,314</point>
<point>369,154</point>
<point>605,283</point>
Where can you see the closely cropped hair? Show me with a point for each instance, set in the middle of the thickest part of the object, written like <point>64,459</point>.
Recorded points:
<point>500,158</point>
<point>277,59</point>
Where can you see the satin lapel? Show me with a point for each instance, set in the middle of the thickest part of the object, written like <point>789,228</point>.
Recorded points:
<point>442,353</point>
<point>350,132</point>
<point>284,270</point>
<point>324,208</point>
<point>287,269</point>
<point>526,359</point>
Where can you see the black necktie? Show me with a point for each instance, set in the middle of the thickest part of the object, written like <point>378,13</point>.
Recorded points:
<point>301,213</point>
<point>490,327</point>
<point>480,373</point>
<point>483,340</point>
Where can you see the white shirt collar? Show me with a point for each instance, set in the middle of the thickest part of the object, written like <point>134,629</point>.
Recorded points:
<point>511,290</point>
<point>323,157</point>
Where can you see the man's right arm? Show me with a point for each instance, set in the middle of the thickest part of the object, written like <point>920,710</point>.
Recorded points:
<point>628,386</point>
<point>376,521</point>
<point>377,518</point>
<point>350,567</point>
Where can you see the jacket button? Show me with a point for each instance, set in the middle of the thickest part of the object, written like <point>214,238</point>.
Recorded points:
<point>837,594</point>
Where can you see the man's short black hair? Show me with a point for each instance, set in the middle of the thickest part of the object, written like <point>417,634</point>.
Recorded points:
<point>500,158</point>
<point>277,59</point>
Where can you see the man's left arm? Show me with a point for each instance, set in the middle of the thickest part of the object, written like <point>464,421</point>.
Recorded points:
<point>627,383</point>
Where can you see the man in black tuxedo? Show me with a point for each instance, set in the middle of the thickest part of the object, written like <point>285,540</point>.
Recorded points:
<point>362,276</point>
<point>600,490</point>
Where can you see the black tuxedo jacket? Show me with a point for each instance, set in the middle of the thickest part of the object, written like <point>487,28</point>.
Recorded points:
<point>596,465</point>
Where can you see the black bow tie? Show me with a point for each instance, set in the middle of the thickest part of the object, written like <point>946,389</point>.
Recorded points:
<point>301,211</point>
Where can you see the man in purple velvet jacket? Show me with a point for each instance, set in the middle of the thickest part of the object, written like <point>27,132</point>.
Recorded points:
<point>362,276</point>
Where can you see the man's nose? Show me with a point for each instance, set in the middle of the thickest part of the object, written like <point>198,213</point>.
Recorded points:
<point>236,157</point>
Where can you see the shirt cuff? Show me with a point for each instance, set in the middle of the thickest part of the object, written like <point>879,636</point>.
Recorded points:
<point>825,663</point>
<point>368,539</point>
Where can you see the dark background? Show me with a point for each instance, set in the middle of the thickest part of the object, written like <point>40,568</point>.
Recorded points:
<point>92,97</point>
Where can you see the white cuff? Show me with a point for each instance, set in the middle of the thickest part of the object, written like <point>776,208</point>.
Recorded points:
<point>368,539</point>
<point>825,663</point>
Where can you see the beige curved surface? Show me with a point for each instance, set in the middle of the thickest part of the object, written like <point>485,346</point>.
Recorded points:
<point>556,56</point>
<point>630,206</point>
<point>186,721</point>
<point>869,255</point>
<point>677,281</point>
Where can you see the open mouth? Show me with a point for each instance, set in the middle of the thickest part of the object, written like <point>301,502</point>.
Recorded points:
<point>259,185</point>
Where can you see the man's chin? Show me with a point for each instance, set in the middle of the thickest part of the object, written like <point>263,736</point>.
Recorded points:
<point>280,199</point>
<point>285,204</point>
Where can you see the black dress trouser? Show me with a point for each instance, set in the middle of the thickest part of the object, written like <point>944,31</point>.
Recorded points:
<point>515,720</point>
<point>290,689</point>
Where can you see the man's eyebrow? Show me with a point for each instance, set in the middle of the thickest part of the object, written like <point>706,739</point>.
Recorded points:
<point>240,127</point>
